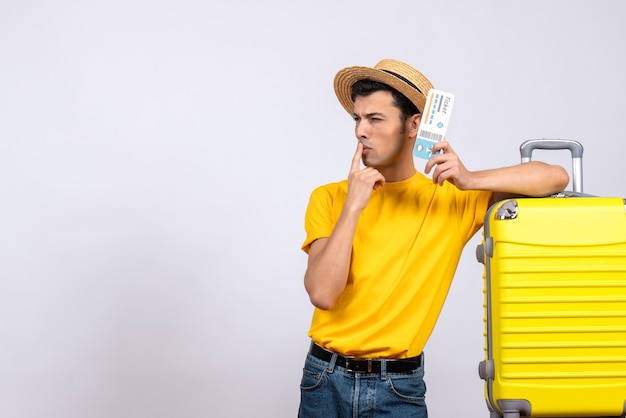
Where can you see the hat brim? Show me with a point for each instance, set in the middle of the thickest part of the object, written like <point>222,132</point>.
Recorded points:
<point>348,76</point>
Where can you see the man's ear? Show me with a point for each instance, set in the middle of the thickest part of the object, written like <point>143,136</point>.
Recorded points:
<point>414,124</point>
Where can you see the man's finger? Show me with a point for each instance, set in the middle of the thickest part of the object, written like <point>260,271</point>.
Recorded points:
<point>432,162</point>
<point>356,160</point>
<point>441,145</point>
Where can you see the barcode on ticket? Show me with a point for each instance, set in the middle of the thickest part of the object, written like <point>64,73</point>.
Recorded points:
<point>430,135</point>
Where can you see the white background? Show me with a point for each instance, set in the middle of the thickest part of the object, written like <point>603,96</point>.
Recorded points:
<point>156,159</point>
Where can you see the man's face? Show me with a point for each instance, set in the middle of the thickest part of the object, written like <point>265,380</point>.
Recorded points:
<point>379,127</point>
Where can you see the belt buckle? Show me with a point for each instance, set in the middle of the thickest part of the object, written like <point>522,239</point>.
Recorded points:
<point>352,362</point>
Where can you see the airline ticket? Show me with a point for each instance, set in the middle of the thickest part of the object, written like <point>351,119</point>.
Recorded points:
<point>435,119</point>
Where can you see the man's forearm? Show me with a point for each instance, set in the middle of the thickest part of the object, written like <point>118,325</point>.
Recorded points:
<point>533,178</point>
<point>329,262</point>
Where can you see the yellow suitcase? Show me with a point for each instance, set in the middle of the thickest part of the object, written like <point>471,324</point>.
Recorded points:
<point>555,302</point>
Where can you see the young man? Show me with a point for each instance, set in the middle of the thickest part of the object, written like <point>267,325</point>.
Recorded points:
<point>383,247</point>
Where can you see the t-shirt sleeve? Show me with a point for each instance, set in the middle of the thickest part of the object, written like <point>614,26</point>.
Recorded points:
<point>475,204</point>
<point>319,221</point>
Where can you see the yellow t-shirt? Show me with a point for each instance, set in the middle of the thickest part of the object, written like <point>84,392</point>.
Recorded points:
<point>405,252</point>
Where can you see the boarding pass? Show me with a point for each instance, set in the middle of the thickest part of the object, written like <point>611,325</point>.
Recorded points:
<point>434,124</point>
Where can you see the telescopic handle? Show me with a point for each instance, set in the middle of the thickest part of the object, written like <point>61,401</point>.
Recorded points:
<point>575,147</point>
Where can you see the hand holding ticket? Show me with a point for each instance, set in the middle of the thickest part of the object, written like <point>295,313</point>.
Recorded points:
<point>434,123</point>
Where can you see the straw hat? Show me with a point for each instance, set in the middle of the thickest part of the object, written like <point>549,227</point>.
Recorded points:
<point>402,77</point>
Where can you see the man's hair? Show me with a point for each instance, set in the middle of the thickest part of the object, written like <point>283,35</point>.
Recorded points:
<point>367,87</point>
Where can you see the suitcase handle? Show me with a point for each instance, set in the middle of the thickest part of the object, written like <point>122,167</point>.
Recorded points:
<point>575,148</point>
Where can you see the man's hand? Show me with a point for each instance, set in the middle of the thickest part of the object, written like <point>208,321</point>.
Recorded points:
<point>361,182</point>
<point>448,166</point>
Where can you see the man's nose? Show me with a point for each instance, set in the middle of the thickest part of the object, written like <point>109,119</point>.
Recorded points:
<point>361,130</point>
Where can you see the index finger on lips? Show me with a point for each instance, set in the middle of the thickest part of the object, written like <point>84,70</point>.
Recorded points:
<point>356,160</point>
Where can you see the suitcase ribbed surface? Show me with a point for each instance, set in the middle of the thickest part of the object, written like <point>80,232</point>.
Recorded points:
<point>556,311</point>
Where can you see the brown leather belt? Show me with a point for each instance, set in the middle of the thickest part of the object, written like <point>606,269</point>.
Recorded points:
<point>367,365</point>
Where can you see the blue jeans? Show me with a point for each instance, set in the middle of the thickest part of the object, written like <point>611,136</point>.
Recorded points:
<point>329,391</point>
